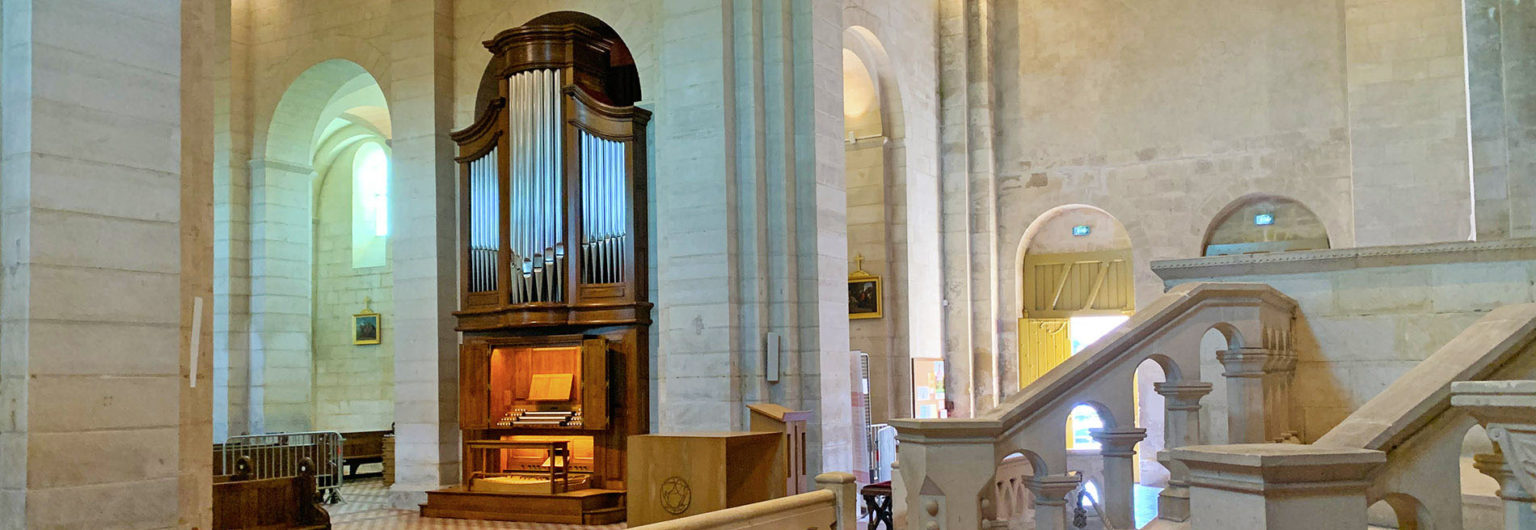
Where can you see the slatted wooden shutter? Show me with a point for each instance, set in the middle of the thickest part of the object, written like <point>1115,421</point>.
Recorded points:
<point>1078,284</point>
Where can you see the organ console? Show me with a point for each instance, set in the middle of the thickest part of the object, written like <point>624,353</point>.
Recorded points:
<point>553,303</point>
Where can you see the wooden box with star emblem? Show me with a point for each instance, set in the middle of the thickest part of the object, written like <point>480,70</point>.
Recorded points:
<point>678,475</point>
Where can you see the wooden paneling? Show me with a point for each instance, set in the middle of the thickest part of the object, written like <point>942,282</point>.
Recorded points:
<point>474,385</point>
<point>594,387</point>
<point>1043,344</point>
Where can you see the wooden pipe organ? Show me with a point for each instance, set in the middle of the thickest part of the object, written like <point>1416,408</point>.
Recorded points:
<point>553,280</point>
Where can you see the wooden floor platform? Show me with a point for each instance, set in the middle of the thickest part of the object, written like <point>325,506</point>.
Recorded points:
<point>588,506</point>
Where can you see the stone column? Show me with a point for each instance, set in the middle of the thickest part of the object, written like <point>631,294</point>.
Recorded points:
<point>425,267</point>
<point>104,129</point>
<point>1258,393</point>
<point>1118,449</point>
<point>1519,505</point>
<point>1050,493</point>
<point>1181,402</point>
<point>1507,409</point>
<point>1277,486</point>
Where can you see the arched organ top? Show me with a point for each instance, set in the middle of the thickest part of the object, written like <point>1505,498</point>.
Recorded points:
<point>552,193</point>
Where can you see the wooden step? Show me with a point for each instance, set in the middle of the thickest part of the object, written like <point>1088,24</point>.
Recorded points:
<point>587,507</point>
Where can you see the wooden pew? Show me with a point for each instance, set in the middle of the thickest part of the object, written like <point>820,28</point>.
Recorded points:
<point>241,503</point>
<point>363,447</point>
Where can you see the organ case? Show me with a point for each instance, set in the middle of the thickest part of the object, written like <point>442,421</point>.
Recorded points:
<point>552,197</point>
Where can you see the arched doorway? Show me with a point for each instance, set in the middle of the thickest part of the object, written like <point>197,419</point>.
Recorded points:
<point>1264,223</point>
<point>1076,285</point>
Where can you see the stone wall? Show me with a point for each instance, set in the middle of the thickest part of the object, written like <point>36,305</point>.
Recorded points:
<point>1501,79</point>
<point>1367,315</point>
<point>353,384</point>
<point>1164,113</point>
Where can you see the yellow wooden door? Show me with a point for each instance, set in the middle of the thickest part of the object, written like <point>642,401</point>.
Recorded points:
<point>1043,344</point>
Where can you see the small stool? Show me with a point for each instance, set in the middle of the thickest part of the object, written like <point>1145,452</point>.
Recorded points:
<point>877,497</point>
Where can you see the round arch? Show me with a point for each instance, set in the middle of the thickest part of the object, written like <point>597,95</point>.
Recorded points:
<point>1261,222</point>
<point>293,129</point>
<point>322,67</point>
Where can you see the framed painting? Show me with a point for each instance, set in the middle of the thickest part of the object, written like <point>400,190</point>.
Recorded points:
<point>864,296</point>
<point>366,328</point>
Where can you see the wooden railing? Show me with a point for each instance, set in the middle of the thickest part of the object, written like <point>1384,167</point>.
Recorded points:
<point>833,506</point>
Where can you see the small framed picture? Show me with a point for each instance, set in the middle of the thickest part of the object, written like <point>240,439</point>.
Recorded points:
<point>366,327</point>
<point>864,296</point>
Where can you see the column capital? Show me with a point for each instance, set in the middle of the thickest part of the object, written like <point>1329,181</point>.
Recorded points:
<point>1255,362</point>
<point>1507,409</point>
<point>1182,395</point>
<point>1118,442</point>
<point>1052,490</point>
<point>1494,465</point>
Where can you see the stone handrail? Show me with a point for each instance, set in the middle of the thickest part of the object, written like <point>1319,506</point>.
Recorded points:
<point>948,465</point>
<point>833,506</point>
<point>1414,423</point>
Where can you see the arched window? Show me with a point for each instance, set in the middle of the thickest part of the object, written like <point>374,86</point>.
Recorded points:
<point>370,205</point>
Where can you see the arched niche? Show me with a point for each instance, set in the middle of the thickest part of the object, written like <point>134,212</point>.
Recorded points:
<point>1264,223</point>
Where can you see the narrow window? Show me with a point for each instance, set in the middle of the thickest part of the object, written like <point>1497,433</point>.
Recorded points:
<point>370,206</point>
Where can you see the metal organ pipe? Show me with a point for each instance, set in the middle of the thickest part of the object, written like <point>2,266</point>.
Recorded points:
<point>484,239</point>
<point>536,209</point>
<point>605,209</point>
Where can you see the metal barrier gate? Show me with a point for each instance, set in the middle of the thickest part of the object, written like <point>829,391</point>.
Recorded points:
<point>278,456</point>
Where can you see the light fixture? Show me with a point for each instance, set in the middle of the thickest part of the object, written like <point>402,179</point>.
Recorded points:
<point>1264,219</point>
<point>1080,230</point>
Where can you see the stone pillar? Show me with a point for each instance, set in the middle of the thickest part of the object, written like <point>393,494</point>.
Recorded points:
<point>1118,449</point>
<point>1507,410</point>
<point>281,362</point>
<point>423,188</point>
<point>1258,393</point>
<point>1181,402</point>
<point>1519,505</point>
<point>736,223</point>
<point>1277,486</point>
<point>1051,512</point>
<point>103,129</point>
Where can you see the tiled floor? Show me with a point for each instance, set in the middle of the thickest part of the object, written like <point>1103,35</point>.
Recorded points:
<point>365,506</point>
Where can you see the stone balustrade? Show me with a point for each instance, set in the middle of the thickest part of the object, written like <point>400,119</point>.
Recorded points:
<point>950,467</point>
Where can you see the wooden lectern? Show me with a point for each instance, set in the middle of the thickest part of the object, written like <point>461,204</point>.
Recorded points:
<point>769,417</point>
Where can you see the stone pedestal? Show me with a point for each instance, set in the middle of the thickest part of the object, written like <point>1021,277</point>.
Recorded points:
<point>1173,501</point>
<point>1050,493</point>
<point>1118,448</point>
<point>1258,393</point>
<point>1181,403</point>
<point>1507,410</point>
<point>1277,486</point>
